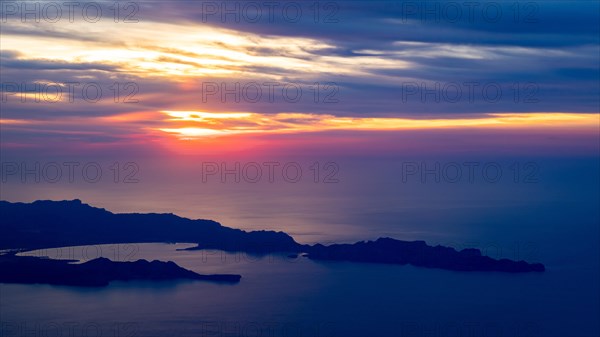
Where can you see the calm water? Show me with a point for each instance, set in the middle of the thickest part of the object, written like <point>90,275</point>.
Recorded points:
<point>279,296</point>
<point>554,221</point>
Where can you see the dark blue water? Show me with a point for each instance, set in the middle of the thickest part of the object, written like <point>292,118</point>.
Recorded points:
<point>554,220</point>
<point>279,296</point>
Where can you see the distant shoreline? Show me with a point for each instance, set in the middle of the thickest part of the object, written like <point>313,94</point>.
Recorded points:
<point>57,224</point>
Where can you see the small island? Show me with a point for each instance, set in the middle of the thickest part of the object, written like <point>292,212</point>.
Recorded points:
<point>95,273</point>
<point>418,253</point>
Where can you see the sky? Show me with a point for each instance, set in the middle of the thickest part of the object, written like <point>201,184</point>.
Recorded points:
<point>185,76</point>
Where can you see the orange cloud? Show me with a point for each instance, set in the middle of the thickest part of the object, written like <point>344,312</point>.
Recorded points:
<point>196,124</point>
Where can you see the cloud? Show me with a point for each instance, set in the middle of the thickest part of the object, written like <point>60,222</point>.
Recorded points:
<point>355,61</point>
<point>193,124</point>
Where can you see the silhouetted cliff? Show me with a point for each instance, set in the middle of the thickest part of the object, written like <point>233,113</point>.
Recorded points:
<point>46,224</point>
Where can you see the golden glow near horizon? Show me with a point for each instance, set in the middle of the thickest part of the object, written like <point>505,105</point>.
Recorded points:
<point>187,125</point>
<point>199,124</point>
<point>193,124</point>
